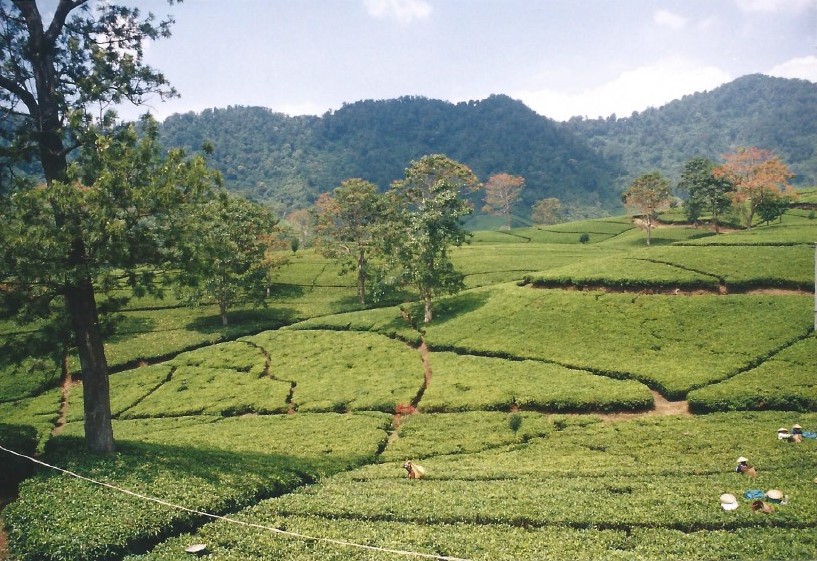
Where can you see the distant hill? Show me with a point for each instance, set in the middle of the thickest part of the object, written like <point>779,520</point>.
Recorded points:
<point>289,161</point>
<point>774,113</point>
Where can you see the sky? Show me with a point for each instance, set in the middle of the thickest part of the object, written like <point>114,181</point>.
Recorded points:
<point>562,58</point>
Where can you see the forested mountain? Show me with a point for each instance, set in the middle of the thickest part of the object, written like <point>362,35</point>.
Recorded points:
<point>289,161</point>
<point>773,113</point>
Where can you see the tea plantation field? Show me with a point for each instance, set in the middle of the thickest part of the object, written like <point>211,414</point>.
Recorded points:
<point>536,401</point>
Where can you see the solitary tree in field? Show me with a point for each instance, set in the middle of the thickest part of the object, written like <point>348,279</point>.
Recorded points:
<point>706,191</point>
<point>546,211</point>
<point>501,193</point>
<point>423,223</point>
<point>756,175</point>
<point>226,252</point>
<point>54,75</point>
<point>646,195</point>
<point>346,227</point>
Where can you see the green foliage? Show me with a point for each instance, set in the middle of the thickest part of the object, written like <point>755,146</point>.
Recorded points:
<point>225,253</point>
<point>647,194</point>
<point>737,268</point>
<point>423,224</point>
<point>462,383</point>
<point>390,322</point>
<point>347,226</point>
<point>39,413</point>
<point>546,211</point>
<point>643,489</point>
<point>22,439</point>
<point>706,193</point>
<point>654,339</point>
<point>754,109</point>
<point>483,265</point>
<point>439,434</point>
<point>289,161</point>
<point>625,272</point>
<point>342,371</point>
<point>229,465</point>
<point>127,389</point>
<point>501,483</point>
<point>27,376</point>
<point>807,195</point>
<point>802,233</point>
<point>784,382</point>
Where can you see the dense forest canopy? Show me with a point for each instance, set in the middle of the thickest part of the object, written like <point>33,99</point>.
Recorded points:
<point>288,162</point>
<point>777,114</point>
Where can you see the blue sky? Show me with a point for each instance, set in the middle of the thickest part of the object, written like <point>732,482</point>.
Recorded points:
<point>560,57</point>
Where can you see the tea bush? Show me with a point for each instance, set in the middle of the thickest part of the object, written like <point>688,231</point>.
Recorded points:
<point>623,272</point>
<point>799,233</point>
<point>654,339</point>
<point>787,381</point>
<point>641,489</point>
<point>343,371</point>
<point>37,413</point>
<point>436,434</point>
<point>215,468</point>
<point>462,383</point>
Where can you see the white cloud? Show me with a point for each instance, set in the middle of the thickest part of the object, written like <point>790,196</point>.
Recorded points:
<point>306,108</point>
<point>792,6</point>
<point>404,11</point>
<point>634,90</point>
<point>707,24</point>
<point>669,19</point>
<point>803,67</point>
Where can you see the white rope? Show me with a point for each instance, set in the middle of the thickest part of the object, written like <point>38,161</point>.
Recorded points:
<point>234,521</point>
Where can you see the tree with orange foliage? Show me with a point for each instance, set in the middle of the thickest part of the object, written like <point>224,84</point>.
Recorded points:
<point>501,192</point>
<point>757,175</point>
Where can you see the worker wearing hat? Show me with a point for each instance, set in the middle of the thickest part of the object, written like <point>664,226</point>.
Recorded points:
<point>744,467</point>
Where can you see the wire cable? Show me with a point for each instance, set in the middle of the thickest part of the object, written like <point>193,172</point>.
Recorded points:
<point>234,521</point>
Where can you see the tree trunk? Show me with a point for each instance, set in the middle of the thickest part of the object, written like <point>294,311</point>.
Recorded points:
<point>750,213</point>
<point>427,303</point>
<point>80,303</point>
<point>82,310</point>
<point>649,229</point>
<point>223,306</point>
<point>361,277</point>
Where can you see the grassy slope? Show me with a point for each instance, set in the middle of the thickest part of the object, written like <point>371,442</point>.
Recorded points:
<point>204,429</point>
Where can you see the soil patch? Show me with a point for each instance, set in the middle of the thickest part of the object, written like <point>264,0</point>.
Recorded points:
<point>65,390</point>
<point>662,407</point>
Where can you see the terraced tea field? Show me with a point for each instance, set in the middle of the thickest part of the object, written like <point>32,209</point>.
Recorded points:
<point>530,400</point>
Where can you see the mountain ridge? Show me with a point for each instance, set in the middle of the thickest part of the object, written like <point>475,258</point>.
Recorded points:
<point>288,162</point>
